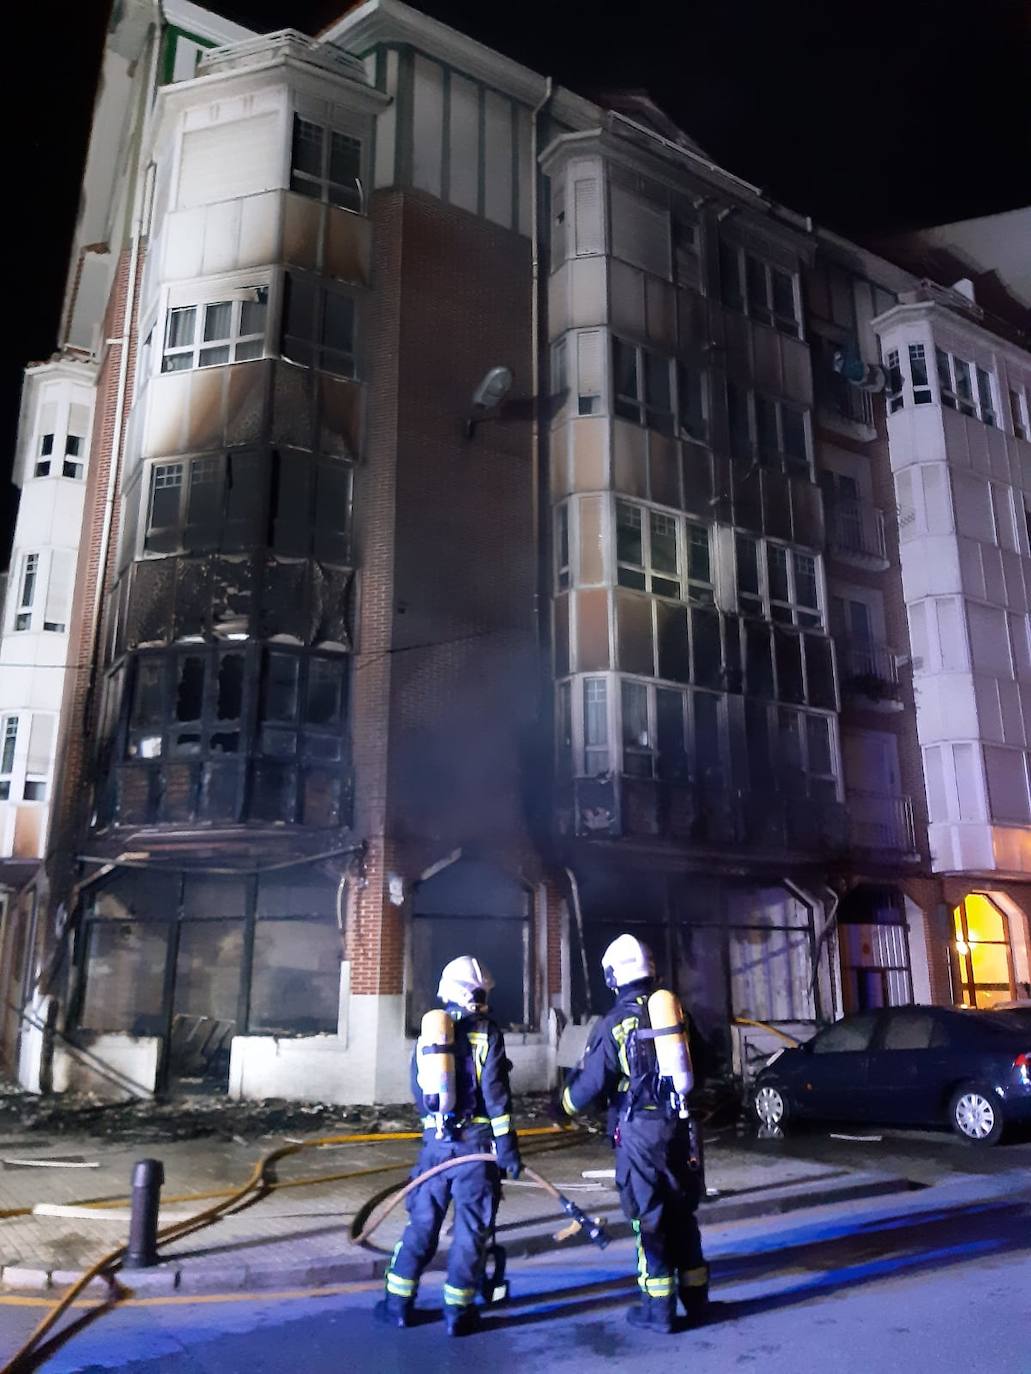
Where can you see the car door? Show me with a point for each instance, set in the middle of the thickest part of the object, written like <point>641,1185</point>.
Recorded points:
<point>831,1082</point>
<point>907,1066</point>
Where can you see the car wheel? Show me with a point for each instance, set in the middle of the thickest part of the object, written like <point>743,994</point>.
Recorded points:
<point>770,1106</point>
<point>976,1115</point>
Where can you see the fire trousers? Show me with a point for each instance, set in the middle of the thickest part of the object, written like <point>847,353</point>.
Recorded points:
<point>660,1191</point>
<point>475,1190</point>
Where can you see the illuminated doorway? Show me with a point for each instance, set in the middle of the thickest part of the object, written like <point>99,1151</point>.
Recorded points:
<point>982,964</point>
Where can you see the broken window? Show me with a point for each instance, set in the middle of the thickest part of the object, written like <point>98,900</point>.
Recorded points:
<point>125,977</point>
<point>216,332</point>
<point>295,987</point>
<point>765,430</point>
<point>671,759</point>
<point>318,325</point>
<point>326,165</point>
<point>766,293</point>
<point>213,502</point>
<point>166,486</point>
<point>641,386</point>
<point>692,403</point>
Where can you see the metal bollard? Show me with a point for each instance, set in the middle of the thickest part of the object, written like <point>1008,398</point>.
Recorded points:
<point>147,1178</point>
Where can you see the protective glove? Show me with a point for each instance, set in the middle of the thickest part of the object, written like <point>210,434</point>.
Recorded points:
<point>507,1149</point>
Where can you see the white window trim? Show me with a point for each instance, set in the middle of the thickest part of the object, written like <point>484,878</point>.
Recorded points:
<point>23,608</point>
<point>232,343</point>
<point>704,593</point>
<point>767,601</point>
<point>8,770</point>
<point>765,313</point>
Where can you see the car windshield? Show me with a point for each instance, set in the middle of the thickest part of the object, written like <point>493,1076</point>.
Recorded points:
<point>1010,1020</point>
<point>852,1034</point>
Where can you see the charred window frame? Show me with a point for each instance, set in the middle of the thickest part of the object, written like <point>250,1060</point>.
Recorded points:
<point>767,431</point>
<point>778,582</point>
<point>763,291</point>
<point>642,388</point>
<point>311,503</point>
<point>207,502</point>
<point>188,703</point>
<point>210,333</point>
<point>296,952</point>
<point>794,751</point>
<point>672,734</point>
<point>319,325</point>
<point>663,554</point>
<point>326,165</point>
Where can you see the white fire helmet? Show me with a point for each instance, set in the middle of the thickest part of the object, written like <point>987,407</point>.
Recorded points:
<point>464,984</point>
<point>627,961</point>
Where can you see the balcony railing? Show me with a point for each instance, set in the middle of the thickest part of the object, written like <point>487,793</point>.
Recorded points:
<point>868,669</point>
<point>879,823</point>
<point>855,533</point>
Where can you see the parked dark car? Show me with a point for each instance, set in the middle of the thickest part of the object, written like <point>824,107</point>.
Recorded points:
<point>908,1066</point>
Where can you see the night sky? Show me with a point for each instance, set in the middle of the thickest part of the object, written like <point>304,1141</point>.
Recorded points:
<point>871,116</point>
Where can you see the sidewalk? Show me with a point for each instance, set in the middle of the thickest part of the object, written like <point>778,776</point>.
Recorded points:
<point>300,1235</point>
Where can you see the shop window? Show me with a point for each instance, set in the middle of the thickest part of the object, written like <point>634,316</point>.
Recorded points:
<point>125,977</point>
<point>216,332</point>
<point>326,165</point>
<point>295,979</point>
<point>982,961</point>
<point>319,326</point>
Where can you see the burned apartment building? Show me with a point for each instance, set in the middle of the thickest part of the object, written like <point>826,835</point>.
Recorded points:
<point>356,685</point>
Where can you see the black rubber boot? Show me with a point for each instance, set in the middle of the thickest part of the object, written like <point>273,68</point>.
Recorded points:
<point>652,1314</point>
<point>462,1321</point>
<point>695,1302</point>
<point>394,1311</point>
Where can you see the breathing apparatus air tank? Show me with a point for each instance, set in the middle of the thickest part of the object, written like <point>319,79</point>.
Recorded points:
<point>435,1065</point>
<point>671,1048</point>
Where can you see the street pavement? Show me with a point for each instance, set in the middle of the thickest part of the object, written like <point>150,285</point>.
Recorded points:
<point>917,1282</point>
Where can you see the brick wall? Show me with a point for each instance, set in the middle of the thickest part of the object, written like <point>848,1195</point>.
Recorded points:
<point>72,787</point>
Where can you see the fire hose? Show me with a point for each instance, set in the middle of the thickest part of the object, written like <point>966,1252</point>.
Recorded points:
<point>259,1183</point>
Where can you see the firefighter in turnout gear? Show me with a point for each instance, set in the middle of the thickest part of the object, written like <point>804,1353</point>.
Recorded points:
<point>460,1085</point>
<point>638,1065</point>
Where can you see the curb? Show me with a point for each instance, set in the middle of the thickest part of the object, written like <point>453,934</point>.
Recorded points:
<point>178,1277</point>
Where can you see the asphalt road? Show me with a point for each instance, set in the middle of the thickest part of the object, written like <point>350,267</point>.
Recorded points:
<point>859,1288</point>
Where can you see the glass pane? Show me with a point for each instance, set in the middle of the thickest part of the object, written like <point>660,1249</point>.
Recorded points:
<point>818,741</point>
<point>984,919</point>
<point>777,572</point>
<point>295,986</point>
<point>230,687</point>
<point>692,404</point>
<point>747,565</point>
<point>180,328</point>
<point>783,294</point>
<point>299,309</point>
<point>852,1034</point>
<point>656,382</point>
<point>307,150</point>
<point>596,728</point>
<point>669,720</point>
<point>125,977</point>
<point>663,543</point>
<point>628,534</point>
<point>213,357</point>
<point>755,276</point>
<point>708,755</point>
<point>325,679</point>
<point>766,424</point>
<point>737,417</point>
<point>730,275</point>
<point>805,581</point>
<point>635,715</point>
<point>918,364</point>
<point>338,323</point>
<point>280,687</point>
<point>252,317</point>
<point>189,697</point>
<point>990,963</point>
<point>793,424</point>
<point>698,568</point>
<point>218,320</point>
<point>624,369</point>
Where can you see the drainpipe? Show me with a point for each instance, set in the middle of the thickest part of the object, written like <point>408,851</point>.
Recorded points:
<point>535,349</point>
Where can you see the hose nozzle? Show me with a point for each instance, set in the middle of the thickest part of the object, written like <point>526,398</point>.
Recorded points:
<point>594,1230</point>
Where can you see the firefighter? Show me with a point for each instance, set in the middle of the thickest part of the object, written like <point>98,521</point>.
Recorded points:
<point>465,1110</point>
<point>657,1155</point>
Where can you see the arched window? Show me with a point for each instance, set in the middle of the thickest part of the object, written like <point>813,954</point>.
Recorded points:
<point>982,962</point>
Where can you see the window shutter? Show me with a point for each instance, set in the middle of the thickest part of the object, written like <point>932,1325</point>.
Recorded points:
<point>587,215</point>
<point>227,160</point>
<point>640,232</point>
<point>41,738</point>
<point>590,353</point>
<point>59,588</point>
<point>78,420</point>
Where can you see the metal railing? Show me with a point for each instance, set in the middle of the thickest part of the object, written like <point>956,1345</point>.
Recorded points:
<point>879,822</point>
<point>866,667</point>
<point>846,400</point>
<point>855,529</point>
